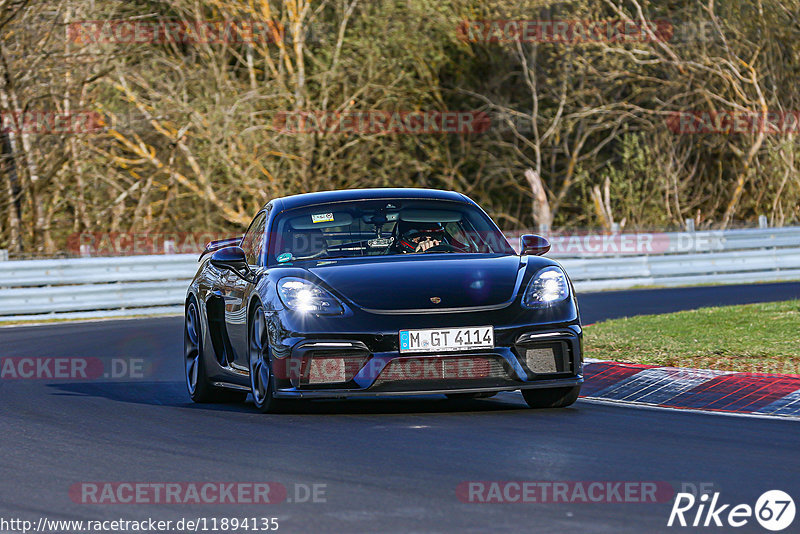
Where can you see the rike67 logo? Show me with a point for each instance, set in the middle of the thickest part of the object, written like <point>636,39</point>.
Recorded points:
<point>774,510</point>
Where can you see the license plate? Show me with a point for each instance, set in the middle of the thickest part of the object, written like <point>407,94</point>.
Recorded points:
<point>447,339</point>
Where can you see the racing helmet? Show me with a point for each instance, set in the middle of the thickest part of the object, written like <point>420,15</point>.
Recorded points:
<point>409,234</point>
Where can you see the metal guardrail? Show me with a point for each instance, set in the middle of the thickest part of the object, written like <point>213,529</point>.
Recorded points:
<point>677,270</point>
<point>90,287</point>
<point>29,273</point>
<point>132,285</point>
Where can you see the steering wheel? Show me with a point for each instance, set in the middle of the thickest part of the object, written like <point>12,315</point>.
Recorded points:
<point>442,247</point>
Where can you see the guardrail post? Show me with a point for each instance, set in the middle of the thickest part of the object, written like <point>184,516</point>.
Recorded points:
<point>689,225</point>
<point>3,254</point>
<point>762,221</point>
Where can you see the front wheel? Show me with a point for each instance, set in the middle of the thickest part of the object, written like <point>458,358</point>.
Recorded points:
<point>261,383</point>
<point>551,397</point>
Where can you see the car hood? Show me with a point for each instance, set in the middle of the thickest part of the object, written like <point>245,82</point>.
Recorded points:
<point>416,282</point>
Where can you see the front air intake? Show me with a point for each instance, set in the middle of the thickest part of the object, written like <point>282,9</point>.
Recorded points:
<point>543,359</point>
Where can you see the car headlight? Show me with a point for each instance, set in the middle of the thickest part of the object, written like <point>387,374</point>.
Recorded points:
<point>546,288</point>
<point>301,295</point>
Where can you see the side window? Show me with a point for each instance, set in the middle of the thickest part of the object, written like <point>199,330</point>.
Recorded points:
<point>253,240</point>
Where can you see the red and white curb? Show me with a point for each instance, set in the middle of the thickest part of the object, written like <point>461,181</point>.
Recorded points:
<point>693,389</point>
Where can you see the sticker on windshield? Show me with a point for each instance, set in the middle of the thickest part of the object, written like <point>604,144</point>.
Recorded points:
<point>380,242</point>
<point>322,217</point>
<point>283,258</point>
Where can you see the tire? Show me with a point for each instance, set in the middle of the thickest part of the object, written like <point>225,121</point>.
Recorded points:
<point>261,383</point>
<point>200,388</point>
<point>551,398</point>
<point>455,396</point>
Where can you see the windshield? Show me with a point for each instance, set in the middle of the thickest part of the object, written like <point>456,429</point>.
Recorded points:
<point>383,228</point>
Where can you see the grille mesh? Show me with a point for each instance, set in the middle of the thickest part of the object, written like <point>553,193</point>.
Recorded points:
<point>329,367</point>
<point>439,368</point>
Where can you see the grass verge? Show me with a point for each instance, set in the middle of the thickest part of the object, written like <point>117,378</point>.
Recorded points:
<point>752,338</point>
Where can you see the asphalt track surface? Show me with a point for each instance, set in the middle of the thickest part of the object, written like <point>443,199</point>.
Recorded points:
<point>387,465</point>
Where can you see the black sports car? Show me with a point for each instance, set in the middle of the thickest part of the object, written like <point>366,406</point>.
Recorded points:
<point>379,292</point>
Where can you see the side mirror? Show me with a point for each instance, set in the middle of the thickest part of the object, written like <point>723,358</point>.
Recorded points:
<point>232,259</point>
<point>533,244</point>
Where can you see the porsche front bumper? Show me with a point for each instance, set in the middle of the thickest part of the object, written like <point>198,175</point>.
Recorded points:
<point>356,365</point>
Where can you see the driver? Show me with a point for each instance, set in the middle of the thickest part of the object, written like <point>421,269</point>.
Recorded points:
<point>419,237</point>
